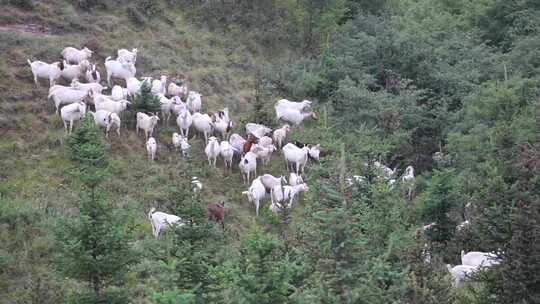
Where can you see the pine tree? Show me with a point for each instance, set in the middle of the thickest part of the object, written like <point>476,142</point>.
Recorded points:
<point>191,254</point>
<point>521,260</point>
<point>145,101</point>
<point>93,246</point>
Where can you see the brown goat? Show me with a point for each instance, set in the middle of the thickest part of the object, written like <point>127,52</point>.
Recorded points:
<point>216,212</point>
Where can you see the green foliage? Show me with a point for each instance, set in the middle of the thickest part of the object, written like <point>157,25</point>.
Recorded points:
<point>263,275</point>
<point>90,4</point>
<point>94,246</point>
<point>438,199</point>
<point>146,102</point>
<point>88,153</point>
<point>24,4</point>
<point>141,11</point>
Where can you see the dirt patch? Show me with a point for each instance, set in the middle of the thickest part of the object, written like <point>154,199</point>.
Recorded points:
<point>30,28</point>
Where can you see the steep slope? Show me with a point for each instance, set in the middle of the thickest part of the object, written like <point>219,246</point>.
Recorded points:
<point>34,169</point>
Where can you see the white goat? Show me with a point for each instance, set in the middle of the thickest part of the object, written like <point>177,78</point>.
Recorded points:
<point>133,85</point>
<point>147,123</point>
<point>280,194</point>
<point>383,171</point>
<point>248,164</point>
<point>67,95</point>
<point>119,93</point>
<point>151,148</point>
<point>175,90</point>
<point>222,123</point>
<point>202,123</point>
<point>280,135</point>
<point>256,193</point>
<point>92,74</point>
<point>263,152</point>
<point>283,104</point>
<point>315,152</point>
<point>178,105</point>
<point>237,142</point>
<point>212,150</point>
<point>113,106</point>
<point>197,185</point>
<point>184,146</point>
<point>298,156</point>
<point>92,86</point>
<point>74,55</point>
<point>75,71</point>
<point>460,272</point>
<point>119,69</point>
<point>184,121</point>
<point>71,113</point>
<point>408,180</point>
<point>42,69</point>
<point>161,220</point>
<point>159,85</point>
<point>257,130</point>
<point>295,116</point>
<point>269,181</point>
<point>106,119</point>
<point>176,140</point>
<point>479,259</point>
<point>227,152</point>
<point>295,179</point>
<point>194,101</point>
<point>127,56</point>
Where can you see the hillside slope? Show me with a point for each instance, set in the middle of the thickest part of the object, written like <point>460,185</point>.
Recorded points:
<point>35,161</point>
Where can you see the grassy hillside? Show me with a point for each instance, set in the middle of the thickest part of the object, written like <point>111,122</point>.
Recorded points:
<point>34,178</point>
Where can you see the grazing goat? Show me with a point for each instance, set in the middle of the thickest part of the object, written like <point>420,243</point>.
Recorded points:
<point>175,90</point>
<point>118,93</point>
<point>113,106</point>
<point>119,69</point>
<point>264,153</point>
<point>237,142</point>
<point>67,95</point>
<point>73,55</point>
<point>283,105</point>
<point>315,152</point>
<point>296,117</point>
<point>147,123</point>
<point>71,113</point>
<point>194,101</point>
<point>257,130</point>
<point>248,164</point>
<point>127,56</point>
<point>280,135</point>
<point>460,272</point>
<point>280,194</point>
<point>269,181</point>
<point>92,86</point>
<point>42,69</point>
<point>184,121</point>
<point>159,85</point>
<point>133,85</point>
<point>295,179</point>
<point>106,119</point>
<point>227,152</point>
<point>298,156</point>
<point>203,124</point>
<point>71,72</point>
<point>162,220</point>
<point>216,212</point>
<point>479,259</point>
<point>151,148</point>
<point>255,194</point>
<point>212,151</point>
<point>176,141</point>
<point>383,171</point>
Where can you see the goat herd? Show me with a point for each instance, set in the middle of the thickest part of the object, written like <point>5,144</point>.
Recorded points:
<point>71,103</point>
